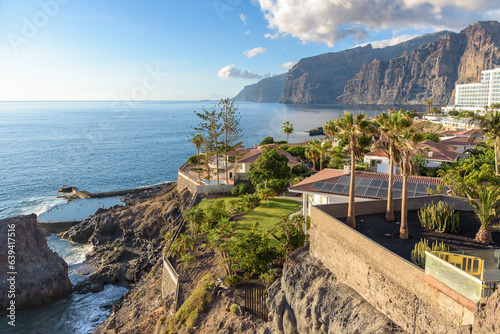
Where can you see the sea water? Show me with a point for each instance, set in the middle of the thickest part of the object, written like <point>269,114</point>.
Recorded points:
<point>106,146</point>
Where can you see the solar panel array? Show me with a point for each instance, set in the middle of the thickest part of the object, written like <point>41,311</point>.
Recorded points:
<point>374,188</point>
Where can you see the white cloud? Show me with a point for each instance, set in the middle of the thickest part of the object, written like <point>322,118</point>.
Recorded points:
<point>230,71</point>
<point>288,65</point>
<point>391,41</point>
<point>243,19</point>
<point>254,52</point>
<point>206,78</point>
<point>328,21</point>
<point>247,32</point>
<point>272,36</point>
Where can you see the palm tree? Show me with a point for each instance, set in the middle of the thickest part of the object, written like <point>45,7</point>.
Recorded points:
<point>490,127</point>
<point>287,129</point>
<point>324,148</point>
<point>195,218</point>
<point>330,129</point>
<point>487,207</point>
<point>353,127</point>
<point>312,152</point>
<point>185,260</point>
<point>266,194</point>
<point>391,126</point>
<point>197,141</point>
<point>408,146</point>
<point>428,104</point>
<point>182,244</point>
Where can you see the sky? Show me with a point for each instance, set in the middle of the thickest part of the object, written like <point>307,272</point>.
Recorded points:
<point>195,49</point>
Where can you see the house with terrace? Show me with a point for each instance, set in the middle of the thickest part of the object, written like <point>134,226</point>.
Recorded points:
<point>243,164</point>
<point>331,186</point>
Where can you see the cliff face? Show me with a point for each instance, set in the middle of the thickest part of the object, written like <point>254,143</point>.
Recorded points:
<point>42,275</point>
<point>429,72</point>
<point>321,79</point>
<point>266,90</point>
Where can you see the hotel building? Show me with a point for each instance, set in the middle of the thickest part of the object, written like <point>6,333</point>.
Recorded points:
<point>477,95</point>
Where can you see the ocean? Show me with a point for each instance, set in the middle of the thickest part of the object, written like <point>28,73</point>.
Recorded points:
<point>105,146</point>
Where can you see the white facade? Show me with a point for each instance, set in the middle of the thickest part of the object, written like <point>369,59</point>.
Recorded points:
<point>477,95</point>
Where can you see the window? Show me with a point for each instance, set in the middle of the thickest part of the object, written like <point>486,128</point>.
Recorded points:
<point>374,163</point>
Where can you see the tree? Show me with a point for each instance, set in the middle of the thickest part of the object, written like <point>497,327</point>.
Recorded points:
<point>428,104</point>
<point>408,146</point>
<point>218,240</point>
<point>269,165</point>
<point>232,130</point>
<point>324,148</point>
<point>490,128</point>
<point>287,129</point>
<point>487,207</point>
<point>391,125</point>
<point>197,141</point>
<point>195,218</point>
<point>210,124</point>
<point>185,260</point>
<point>330,129</point>
<point>313,152</point>
<point>266,194</point>
<point>353,127</point>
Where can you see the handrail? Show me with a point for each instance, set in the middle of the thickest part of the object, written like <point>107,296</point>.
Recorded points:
<point>470,264</point>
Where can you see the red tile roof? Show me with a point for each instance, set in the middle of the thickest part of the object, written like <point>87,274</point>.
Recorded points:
<point>460,141</point>
<point>446,133</point>
<point>466,132</point>
<point>440,151</point>
<point>254,153</point>
<point>377,153</point>
<point>327,176</point>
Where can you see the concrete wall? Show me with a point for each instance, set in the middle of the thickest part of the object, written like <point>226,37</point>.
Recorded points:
<point>184,181</point>
<point>388,282</point>
<point>170,283</point>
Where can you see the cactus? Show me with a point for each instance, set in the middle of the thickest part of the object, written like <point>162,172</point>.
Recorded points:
<point>418,253</point>
<point>439,217</point>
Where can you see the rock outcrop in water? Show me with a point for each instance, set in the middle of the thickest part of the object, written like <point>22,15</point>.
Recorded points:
<point>127,240</point>
<point>42,275</point>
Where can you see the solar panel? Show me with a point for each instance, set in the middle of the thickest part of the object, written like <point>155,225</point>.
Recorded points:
<point>338,188</point>
<point>385,184</point>
<point>365,182</point>
<point>357,181</point>
<point>422,188</point>
<point>382,193</point>
<point>396,194</point>
<point>371,192</point>
<point>432,186</point>
<point>397,185</point>
<point>420,194</point>
<point>346,190</point>
<point>317,186</point>
<point>411,194</point>
<point>376,183</point>
<point>445,190</point>
<point>344,180</point>
<point>411,187</point>
<point>360,191</point>
<point>328,187</point>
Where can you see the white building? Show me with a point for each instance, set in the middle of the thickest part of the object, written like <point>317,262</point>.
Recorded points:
<point>477,95</point>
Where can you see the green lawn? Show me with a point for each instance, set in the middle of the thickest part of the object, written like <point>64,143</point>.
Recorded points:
<point>207,201</point>
<point>266,216</point>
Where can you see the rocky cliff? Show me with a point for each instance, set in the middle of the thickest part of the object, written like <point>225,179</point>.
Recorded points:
<point>266,90</point>
<point>41,275</point>
<point>429,72</point>
<point>321,79</point>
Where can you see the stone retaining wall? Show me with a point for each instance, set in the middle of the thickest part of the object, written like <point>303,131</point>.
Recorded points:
<point>388,282</point>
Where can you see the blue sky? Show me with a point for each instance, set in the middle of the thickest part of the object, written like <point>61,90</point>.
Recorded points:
<point>193,49</point>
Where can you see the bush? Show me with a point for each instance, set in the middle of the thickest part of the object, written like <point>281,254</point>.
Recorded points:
<point>299,169</point>
<point>269,277</point>
<point>297,152</point>
<point>252,252</point>
<point>194,159</point>
<point>277,185</point>
<point>281,142</point>
<point>267,140</point>
<point>418,254</point>
<point>432,136</point>
<point>260,186</point>
<point>232,280</point>
<point>250,201</point>
<point>360,166</point>
<point>215,212</point>
<point>234,308</point>
<point>240,189</point>
<point>283,147</point>
<point>336,162</point>
<point>439,217</point>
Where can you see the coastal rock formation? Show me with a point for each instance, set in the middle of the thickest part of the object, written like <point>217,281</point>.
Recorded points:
<point>42,275</point>
<point>321,79</point>
<point>127,240</point>
<point>429,72</point>
<point>266,90</point>
<point>307,299</point>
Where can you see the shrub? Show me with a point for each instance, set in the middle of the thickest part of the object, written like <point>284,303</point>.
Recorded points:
<point>234,308</point>
<point>283,147</point>
<point>360,166</point>
<point>232,280</point>
<point>194,160</point>
<point>439,217</point>
<point>215,212</point>
<point>277,185</point>
<point>336,162</point>
<point>260,186</point>
<point>432,136</point>
<point>240,189</point>
<point>418,254</point>
<point>297,151</point>
<point>299,169</point>
<point>267,140</point>
<point>268,278</point>
<point>250,201</point>
<point>281,142</point>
